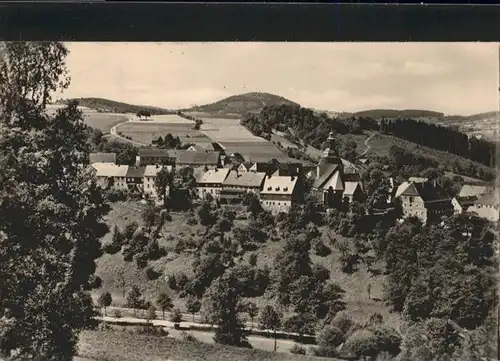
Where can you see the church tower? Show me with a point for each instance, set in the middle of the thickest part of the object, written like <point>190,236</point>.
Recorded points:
<point>331,154</point>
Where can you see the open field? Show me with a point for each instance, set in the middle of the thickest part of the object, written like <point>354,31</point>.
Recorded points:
<point>145,132</point>
<point>124,346</point>
<point>202,115</point>
<point>95,119</point>
<point>229,130</point>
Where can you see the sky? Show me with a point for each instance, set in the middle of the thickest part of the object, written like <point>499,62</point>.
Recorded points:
<point>453,78</point>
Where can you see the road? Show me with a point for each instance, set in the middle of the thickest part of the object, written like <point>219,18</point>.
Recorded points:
<point>258,342</point>
<point>161,322</point>
<point>367,145</point>
<point>114,133</point>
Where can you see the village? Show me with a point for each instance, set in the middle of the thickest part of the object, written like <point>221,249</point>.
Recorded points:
<point>225,178</point>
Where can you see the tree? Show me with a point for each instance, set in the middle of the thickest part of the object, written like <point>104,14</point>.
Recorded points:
<point>164,302</point>
<point>302,323</point>
<point>134,299</point>
<point>151,315</point>
<point>328,340</point>
<point>163,183</point>
<point>149,215</point>
<point>270,319</point>
<point>176,317</point>
<point>363,343</point>
<point>224,304</point>
<point>51,209</point>
<point>252,310</point>
<point>105,300</point>
<point>193,305</point>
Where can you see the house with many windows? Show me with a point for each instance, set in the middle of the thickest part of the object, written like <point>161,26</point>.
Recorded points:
<point>278,193</point>
<point>237,184</point>
<point>149,179</point>
<point>427,201</point>
<point>111,176</point>
<point>210,183</point>
<point>153,156</point>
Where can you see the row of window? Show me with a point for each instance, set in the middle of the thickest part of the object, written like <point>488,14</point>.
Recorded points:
<point>271,203</point>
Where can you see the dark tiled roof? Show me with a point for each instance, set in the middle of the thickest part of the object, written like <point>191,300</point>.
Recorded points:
<point>326,171</point>
<point>135,172</point>
<point>410,191</point>
<point>155,152</point>
<point>197,158</point>
<point>430,192</point>
<point>102,158</point>
<point>246,179</point>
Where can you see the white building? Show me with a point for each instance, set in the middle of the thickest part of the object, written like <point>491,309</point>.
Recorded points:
<point>487,206</point>
<point>278,193</point>
<point>150,173</point>
<point>210,182</point>
<point>110,175</point>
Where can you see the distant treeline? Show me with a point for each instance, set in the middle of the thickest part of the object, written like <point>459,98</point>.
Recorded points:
<point>441,138</point>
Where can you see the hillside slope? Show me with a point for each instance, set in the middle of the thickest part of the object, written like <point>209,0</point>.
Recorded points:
<point>242,104</point>
<point>111,106</point>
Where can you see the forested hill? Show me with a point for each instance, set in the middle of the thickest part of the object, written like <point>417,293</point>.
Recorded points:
<point>312,128</point>
<point>242,104</point>
<point>111,106</point>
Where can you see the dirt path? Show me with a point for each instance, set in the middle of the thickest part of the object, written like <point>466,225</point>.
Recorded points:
<point>114,133</point>
<point>368,147</point>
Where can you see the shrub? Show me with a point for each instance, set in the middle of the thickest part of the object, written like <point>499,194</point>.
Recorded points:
<point>192,221</point>
<point>330,337</point>
<point>185,336</point>
<point>343,322</point>
<point>298,350</point>
<point>118,314</point>
<point>320,249</point>
<point>151,330</point>
<point>363,343</point>
<point>152,274</point>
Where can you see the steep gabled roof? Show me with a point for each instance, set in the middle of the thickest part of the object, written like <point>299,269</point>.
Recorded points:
<point>409,190</point>
<point>335,182</point>
<point>135,172</point>
<point>431,192</point>
<point>279,185</point>
<point>469,190</point>
<point>326,171</point>
<point>246,179</point>
<point>490,198</point>
<point>216,176</point>
<point>350,188</point>
<point>110,170</point>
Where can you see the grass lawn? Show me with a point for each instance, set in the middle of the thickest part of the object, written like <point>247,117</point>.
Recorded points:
<point>123,346</point>
<point>256,151</point>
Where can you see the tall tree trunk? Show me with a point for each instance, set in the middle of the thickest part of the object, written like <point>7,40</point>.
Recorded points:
<point>275,340</point>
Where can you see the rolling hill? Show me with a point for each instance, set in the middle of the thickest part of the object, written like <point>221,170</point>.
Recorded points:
<point>241,104</point>
<point>111,106</point>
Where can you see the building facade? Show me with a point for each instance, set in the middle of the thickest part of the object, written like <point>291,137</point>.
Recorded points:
<point>111,176</point>
<point>149,179</point>
<point>210,183</point>
<point>427,201</point>
<point>278,193</point>
<point>237,184</point>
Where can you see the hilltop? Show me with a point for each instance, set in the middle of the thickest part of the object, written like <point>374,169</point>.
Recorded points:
<point>242,104</point>
<point>111,106</point>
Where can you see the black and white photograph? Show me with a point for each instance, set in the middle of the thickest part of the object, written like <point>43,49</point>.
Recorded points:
<point>241,201</point>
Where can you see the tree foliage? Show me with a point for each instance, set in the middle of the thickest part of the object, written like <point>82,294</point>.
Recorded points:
<point>51,209</point>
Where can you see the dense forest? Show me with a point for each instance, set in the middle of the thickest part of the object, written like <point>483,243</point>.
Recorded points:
<point>312,128</point>
<point>302,124</point>
<point>442,138</point>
